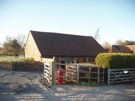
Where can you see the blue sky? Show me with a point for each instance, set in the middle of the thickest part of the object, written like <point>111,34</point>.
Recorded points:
<point>115,18</point>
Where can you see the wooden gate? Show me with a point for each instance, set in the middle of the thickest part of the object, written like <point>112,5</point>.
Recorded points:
<point>121,75</point>
<point>48,73</point>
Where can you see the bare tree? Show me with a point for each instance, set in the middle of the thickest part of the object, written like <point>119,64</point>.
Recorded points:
<point>120,43</point>
<point>21,40</point>
<point>107,46</point>
<point>96,35</point>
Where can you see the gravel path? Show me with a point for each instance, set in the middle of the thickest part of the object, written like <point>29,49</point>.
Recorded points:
<point>25,86</point>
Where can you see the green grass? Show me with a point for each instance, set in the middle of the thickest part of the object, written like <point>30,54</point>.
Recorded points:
<point>10,58</point>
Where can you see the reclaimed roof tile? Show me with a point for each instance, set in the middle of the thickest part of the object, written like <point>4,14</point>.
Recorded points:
<point>58,44</point>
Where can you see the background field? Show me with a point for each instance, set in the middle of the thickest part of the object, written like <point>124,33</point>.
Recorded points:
<point>8,58</point>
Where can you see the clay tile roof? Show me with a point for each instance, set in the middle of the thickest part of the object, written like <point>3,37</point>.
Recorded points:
<point>123,49</point>
<point>58,44</point>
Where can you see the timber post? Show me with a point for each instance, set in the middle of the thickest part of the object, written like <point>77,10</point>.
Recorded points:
<point>98,74</point>
<point>77,73</point>
<point>53,73</point>
<point>108,80</point>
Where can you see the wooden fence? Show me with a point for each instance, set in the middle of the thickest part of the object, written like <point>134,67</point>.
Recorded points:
<point>121,75</point>
<point>76,73</point>
<point>84,72</point>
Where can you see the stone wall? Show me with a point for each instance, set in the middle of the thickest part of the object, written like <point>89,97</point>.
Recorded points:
<point>22,66</point>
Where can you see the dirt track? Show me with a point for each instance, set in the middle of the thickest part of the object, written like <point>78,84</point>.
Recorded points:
<point>25,86</point>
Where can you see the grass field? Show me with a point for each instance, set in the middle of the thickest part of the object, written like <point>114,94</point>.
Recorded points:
<point>11,58</point>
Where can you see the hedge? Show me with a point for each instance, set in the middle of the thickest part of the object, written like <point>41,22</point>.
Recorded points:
<point>115,60</point>
<point>22,66</point>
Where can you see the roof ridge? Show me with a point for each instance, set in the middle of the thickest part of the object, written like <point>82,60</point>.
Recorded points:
<point>59,33</point>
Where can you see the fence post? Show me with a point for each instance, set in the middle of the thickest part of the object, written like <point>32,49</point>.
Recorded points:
<point>98,74</point>
<point>77,73</point>
<point>89,74</point>
<point>103,74</point>
<point>108,82</point>
<point>133,77</point>
<point>53,73</point>
<point>106,75</point>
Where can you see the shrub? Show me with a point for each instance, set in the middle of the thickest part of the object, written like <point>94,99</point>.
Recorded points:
<point>115,60</point>
<point>29,60</point>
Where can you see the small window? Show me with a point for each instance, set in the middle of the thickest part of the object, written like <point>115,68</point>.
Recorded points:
<point>66,60</point>
<point>70,60</point>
